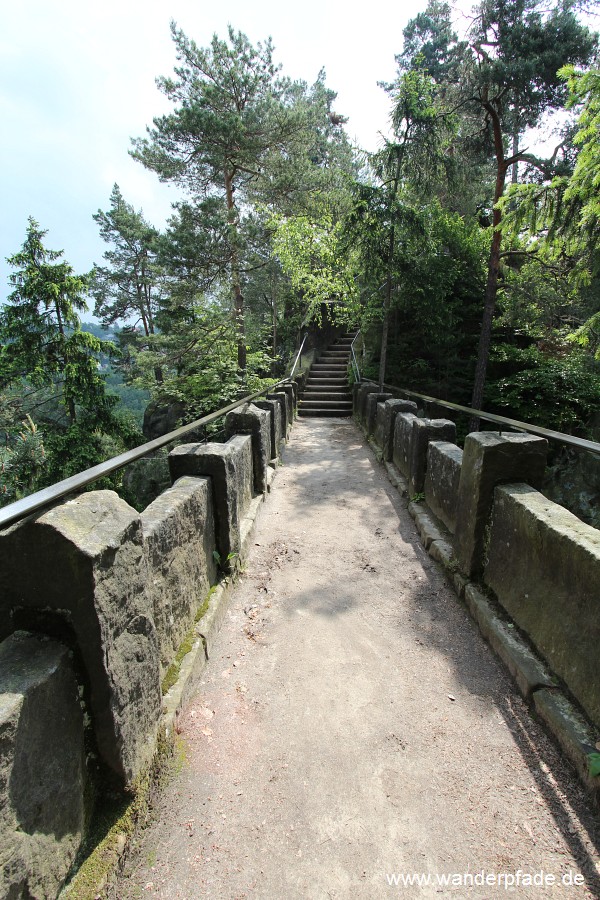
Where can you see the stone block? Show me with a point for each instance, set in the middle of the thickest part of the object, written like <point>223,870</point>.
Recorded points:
<point>42,766</point>
<point>366,388</point>
<point>179,533</point>
<point>275,422</point>
<point>528,671</point>
<point>402,438</point>
<point>230,468</point>
<point>371,402</point>
<point>576,737</point>
<point>444,460</point>
<point>424,431</point>
<point>384,426</point>
<point>284,411</point>
<point>490,458</point>
<point>288,390</point>
<point>443,552</point>
<point>252,420</point>
<point>80,569</point>
<point>553,592</point>
<point>294,384</point>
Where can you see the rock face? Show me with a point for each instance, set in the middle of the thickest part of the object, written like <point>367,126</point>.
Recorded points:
<point>42,766</point>
<point>160,419</point>
<point>490,459</point>
<point>553,592</point>
<point>80,569</point>
<point>179,533</point>
<point>146,479</point>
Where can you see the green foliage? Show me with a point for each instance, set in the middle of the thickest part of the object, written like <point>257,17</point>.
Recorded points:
<point>594,764</point>
<point>552,386</point>
<point>311,254</point>
<point>22,463</point>
<point>50,378</point>
<point>240,138</point>
<point>131,286</point>
<point>41,334</point>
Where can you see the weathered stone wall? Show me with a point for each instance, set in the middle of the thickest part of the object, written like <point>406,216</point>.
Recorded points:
<point>230,468</point>
<point>503,536</point>
<point>179,534</point>
<point>385,421</point>
<point>81,570</point>
<point>43,773</point>
<point>401,443</point>
<point>95,601</point>
<point>543,564</point>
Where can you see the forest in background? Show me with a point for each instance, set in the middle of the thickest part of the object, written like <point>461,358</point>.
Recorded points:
<point>468,258</point>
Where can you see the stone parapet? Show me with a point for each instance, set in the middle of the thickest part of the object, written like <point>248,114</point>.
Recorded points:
<point>444,461</point>
<point>422,432</point>
<point>253,420</point>
<point>179,535</point>
<point>275,423</point>
<point>371,402</point>
<point>401,442</point>
<point>43,775</point>
<point>543,564</point>
<point>80,570</point>
<point>489,459</point>
<point>386,419</point>
<point>230,468</point>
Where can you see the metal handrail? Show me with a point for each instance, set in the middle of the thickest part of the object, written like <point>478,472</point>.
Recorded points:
<point>354,360</point>
<point>299,354</point>
<point>20,509</point>
<point>570,439</point>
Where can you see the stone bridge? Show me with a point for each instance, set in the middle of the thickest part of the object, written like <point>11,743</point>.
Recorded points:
<point>109,617</point>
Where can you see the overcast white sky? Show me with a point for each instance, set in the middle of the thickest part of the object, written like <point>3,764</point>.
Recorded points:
<point>77,82</point>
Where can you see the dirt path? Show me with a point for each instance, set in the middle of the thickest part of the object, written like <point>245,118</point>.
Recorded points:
<point>352,725</point>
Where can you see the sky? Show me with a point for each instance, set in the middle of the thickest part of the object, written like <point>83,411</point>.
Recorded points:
<point>77,82</point>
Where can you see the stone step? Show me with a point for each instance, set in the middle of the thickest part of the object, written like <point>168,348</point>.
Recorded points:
<point>338,387</point>
<point>324,404</point>
<point>333,368</point>
<point>327,382</point>
<point>326,395</point>
<point>316,413</point>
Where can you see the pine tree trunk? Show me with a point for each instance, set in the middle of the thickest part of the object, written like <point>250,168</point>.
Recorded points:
<point>238,297</point>
<point>387,303</point>
<point>491,289</point>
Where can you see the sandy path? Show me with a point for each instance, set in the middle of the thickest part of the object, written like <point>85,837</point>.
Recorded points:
<point>352,724</point>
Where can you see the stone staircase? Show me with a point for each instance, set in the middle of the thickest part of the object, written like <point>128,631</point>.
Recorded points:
<point>327,392</point>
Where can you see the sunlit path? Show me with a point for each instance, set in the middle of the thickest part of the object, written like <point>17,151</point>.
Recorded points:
<point>352,725</point>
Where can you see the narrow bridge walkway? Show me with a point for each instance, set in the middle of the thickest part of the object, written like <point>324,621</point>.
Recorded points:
<point>352,726</point>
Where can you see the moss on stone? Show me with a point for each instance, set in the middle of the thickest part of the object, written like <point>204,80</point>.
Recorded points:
<point>172,673</point>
